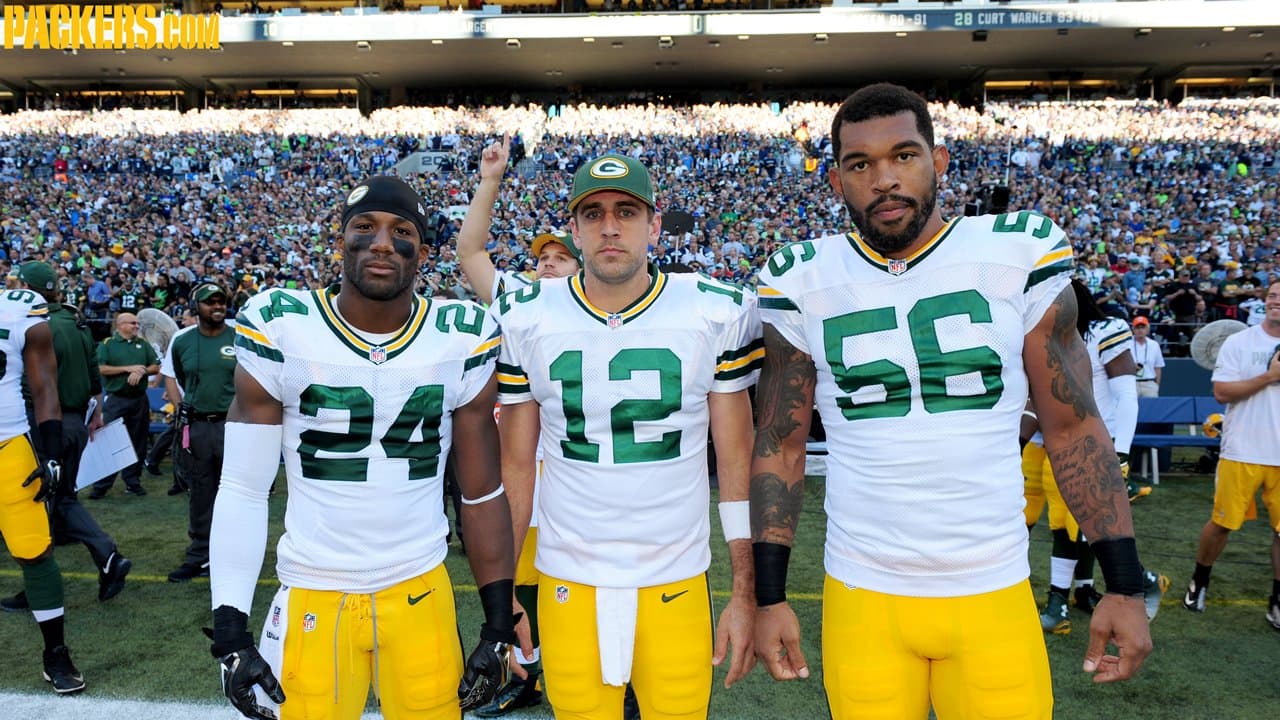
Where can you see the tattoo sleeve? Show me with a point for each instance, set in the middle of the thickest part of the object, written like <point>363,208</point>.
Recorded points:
<point>1078,444</point>
<point>785,399</point>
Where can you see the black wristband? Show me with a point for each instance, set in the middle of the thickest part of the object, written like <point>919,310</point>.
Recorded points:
<point>1121,569</point>
<point>230,631</point>
<point>771,572</point>
<point>51,439</point>
<point>499,621</point>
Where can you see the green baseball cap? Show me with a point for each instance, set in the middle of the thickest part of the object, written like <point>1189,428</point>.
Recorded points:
<point>208,290</point>
<point>38,275</point>
<point>613,172</point>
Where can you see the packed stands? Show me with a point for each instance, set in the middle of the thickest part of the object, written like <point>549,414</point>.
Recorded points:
<point>248,197</point>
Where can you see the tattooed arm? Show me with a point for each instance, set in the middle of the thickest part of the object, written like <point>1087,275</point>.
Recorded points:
<point>1088,474</point>
<point>1078,444</point>
<point>785,399</point>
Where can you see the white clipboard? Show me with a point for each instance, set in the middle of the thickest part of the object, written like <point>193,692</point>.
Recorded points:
<point>109,451</point>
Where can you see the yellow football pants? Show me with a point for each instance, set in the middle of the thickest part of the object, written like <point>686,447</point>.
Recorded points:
<point>1041,474</point>
<point>403,639</point>
<point>671,665</point>
<point>888,657</point>
<point>526,573</point>
<point>23,522</point>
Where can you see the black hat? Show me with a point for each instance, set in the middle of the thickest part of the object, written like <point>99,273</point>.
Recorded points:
<point>389,194</point>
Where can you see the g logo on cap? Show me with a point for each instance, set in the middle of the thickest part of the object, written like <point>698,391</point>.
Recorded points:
<point>609,168</point>
<point>357,195</point>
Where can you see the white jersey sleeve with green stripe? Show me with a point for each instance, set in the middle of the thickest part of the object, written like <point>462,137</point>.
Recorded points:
<point>1108,339</point>
<point>622,500</point>
<point>19,310</point>
<point>921,384</point>
<point>367,427</point>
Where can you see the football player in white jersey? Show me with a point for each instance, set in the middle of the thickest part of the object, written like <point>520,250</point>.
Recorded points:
<point>364,386</point>
<point>1246,377</point>
<point>553,251</point>
<point>623,368</point>
<point>556,257</point>
<point>26,481</point>
<point>920,339</point>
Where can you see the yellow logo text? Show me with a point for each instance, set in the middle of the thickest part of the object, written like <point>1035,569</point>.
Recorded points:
<point>106,27</point>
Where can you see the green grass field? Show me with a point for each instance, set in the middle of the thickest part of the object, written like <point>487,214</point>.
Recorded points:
<point>147,642</point>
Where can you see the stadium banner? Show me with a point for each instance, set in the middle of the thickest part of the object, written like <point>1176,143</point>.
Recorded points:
<point>424,162</point>
<point>107,27</point>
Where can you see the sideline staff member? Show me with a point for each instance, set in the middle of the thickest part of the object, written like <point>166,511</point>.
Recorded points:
<point>125,360</point>
<point>201,363</point>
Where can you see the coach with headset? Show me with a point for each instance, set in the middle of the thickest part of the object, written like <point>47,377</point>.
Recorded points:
<point>199,372</point>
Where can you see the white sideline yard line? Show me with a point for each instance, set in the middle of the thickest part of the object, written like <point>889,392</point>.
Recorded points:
<point>80,707</point>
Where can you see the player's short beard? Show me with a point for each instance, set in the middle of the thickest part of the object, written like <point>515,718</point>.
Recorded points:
<point>382,291</point>
<point>890,243</point>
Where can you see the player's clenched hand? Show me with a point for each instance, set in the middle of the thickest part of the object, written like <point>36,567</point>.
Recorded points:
<point>778,642</point>
<point>243,667</point>
<point>493,159</point>
<point>1119,619</point>
<point>49,473</point>
<point>736,630</point>
<point>241,671</point>
<point>484,674</point>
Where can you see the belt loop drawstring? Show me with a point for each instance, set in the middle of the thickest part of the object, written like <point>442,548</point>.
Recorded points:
<point>342,603</point>
<point>376,691</point>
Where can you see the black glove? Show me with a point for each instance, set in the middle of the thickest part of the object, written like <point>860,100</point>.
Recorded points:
<point>243,666</point>
<point>49,453</point>
<point>49,473</point>
<point>486,670</point>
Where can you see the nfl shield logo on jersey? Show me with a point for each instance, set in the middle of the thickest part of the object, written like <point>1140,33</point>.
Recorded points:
<point>308,622</point>
<point>896,266</point>
<point>615,321</point>
<point>378,355</point>
<point>562,594</point>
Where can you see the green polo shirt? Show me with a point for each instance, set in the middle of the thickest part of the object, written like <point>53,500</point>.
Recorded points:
<point>78,378</point>
<point>205,367</point>
<point>118,352</point>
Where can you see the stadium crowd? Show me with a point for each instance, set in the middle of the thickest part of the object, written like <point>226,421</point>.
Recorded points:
<point>1172,210</point>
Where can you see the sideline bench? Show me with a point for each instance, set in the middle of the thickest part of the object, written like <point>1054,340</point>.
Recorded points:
<point>1175,411</point>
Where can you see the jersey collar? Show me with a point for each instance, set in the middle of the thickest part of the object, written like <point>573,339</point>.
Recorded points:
<point>657,281</point>
<point>377,353</point>
<point>895,266</point>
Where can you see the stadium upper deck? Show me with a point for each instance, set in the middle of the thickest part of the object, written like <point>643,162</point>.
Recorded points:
<point>1142,48</point>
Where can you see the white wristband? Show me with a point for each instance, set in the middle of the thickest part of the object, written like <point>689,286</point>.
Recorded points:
<point>485,499</point>
<point>735,519</point>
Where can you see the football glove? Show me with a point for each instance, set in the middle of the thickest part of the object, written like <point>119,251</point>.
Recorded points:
<point>486,670</point>
<point>243,667</point>
<point>1124,464</point>
<point>49,473</point>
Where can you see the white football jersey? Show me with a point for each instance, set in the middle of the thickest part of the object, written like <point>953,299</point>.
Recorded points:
<point>1107,340</point>
<point>505,281</point>
<point>367,430</point>
<point>19,310</point>
<point>623,496</point>
<point>921,386</point>
<point>1249,429</point>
